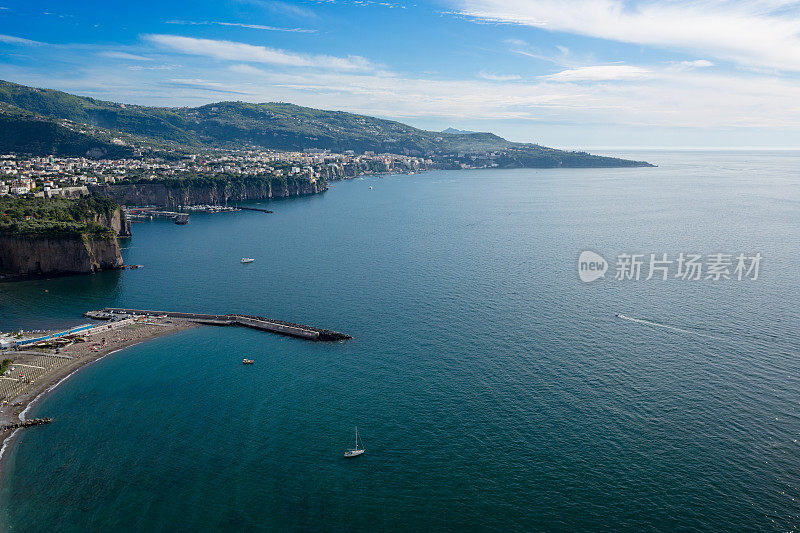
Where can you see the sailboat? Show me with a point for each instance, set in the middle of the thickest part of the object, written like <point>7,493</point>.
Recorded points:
<point>355,452</point>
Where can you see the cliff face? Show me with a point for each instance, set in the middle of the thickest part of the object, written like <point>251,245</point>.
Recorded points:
<point>23,254</point>
<point>161,195</point>
<point>115,220</point>
<point>58,254</point>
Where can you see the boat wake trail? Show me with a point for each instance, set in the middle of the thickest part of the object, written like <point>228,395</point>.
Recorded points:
<point>665,326</point>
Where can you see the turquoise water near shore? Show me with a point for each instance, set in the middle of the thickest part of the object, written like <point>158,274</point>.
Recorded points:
<point>492,388</point>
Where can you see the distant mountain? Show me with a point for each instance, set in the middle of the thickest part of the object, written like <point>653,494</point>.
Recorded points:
<point>45,121</point>
<point>454,131</point>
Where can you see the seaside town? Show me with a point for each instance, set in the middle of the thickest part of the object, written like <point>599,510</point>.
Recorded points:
<point>71,177</point>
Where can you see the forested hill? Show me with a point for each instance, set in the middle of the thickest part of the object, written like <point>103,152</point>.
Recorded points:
<point>49,121</point>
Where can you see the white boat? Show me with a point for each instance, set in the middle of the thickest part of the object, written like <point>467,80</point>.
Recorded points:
<point>356,451</point>
<point>247,259</point>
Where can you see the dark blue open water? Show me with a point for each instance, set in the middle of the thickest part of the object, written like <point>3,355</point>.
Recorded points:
<point>492,388</point>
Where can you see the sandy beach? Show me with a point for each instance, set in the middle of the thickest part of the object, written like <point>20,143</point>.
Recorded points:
<point>38,371</point>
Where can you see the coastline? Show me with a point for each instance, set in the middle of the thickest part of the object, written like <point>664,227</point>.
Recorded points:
<point>80,355</point>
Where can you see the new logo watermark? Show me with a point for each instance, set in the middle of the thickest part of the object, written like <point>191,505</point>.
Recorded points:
<point>684,266</point>
<point>591,266</point>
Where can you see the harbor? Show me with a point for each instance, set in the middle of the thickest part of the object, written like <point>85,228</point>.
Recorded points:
<point>147,213</point>
<point>35,362</point>
<point>140,214</point>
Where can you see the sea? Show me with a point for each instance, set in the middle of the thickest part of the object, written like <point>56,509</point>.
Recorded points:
<point>493,388</point>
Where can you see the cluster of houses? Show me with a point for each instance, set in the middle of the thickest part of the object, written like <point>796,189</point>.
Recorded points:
<point>72,176</point>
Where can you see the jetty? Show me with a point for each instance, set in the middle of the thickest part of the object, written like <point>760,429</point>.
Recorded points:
<point>143,213</point>
<point>249,321</point>
<point>254,209</point>
<point>26,424</point>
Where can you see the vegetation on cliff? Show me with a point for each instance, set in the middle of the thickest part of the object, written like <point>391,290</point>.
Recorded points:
<point>278,126</point>
<point>55,216</point>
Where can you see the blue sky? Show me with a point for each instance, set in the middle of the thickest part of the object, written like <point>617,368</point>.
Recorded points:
<point>580,74</point>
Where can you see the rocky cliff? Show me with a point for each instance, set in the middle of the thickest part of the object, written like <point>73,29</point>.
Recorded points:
<point>41,246</point>
<point>58,254</point>
<point>169,195</point>
<point>115,220</point>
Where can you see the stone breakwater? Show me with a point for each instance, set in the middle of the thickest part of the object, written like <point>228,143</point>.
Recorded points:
<point>280,327</point>
<point>26,424</point>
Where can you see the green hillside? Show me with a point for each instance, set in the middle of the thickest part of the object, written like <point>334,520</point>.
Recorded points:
<point>239,124</point>
<point>25,132</point>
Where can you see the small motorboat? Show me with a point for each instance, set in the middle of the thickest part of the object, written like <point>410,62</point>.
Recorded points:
<point>356,451</point>
<point>247,259</point>
<point>248,361</point>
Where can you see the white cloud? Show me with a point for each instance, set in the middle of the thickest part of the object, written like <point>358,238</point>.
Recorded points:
<point>600,73</point>
<point>243,25</point>
<point>242,68</point>
<point>697,63</point>
<point>153,67</point>
<point>10,39</point>
<point>262,27</point>
<point>679,94</point>
<point>758,33</point>
<point>284,8</point>
<point>708,99</point>
<point>561,56</point>
<point>669,98</point>
<point>204,85</point>
<point>234,51</point>
<point>498,77</point>
<point>124,55</point>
